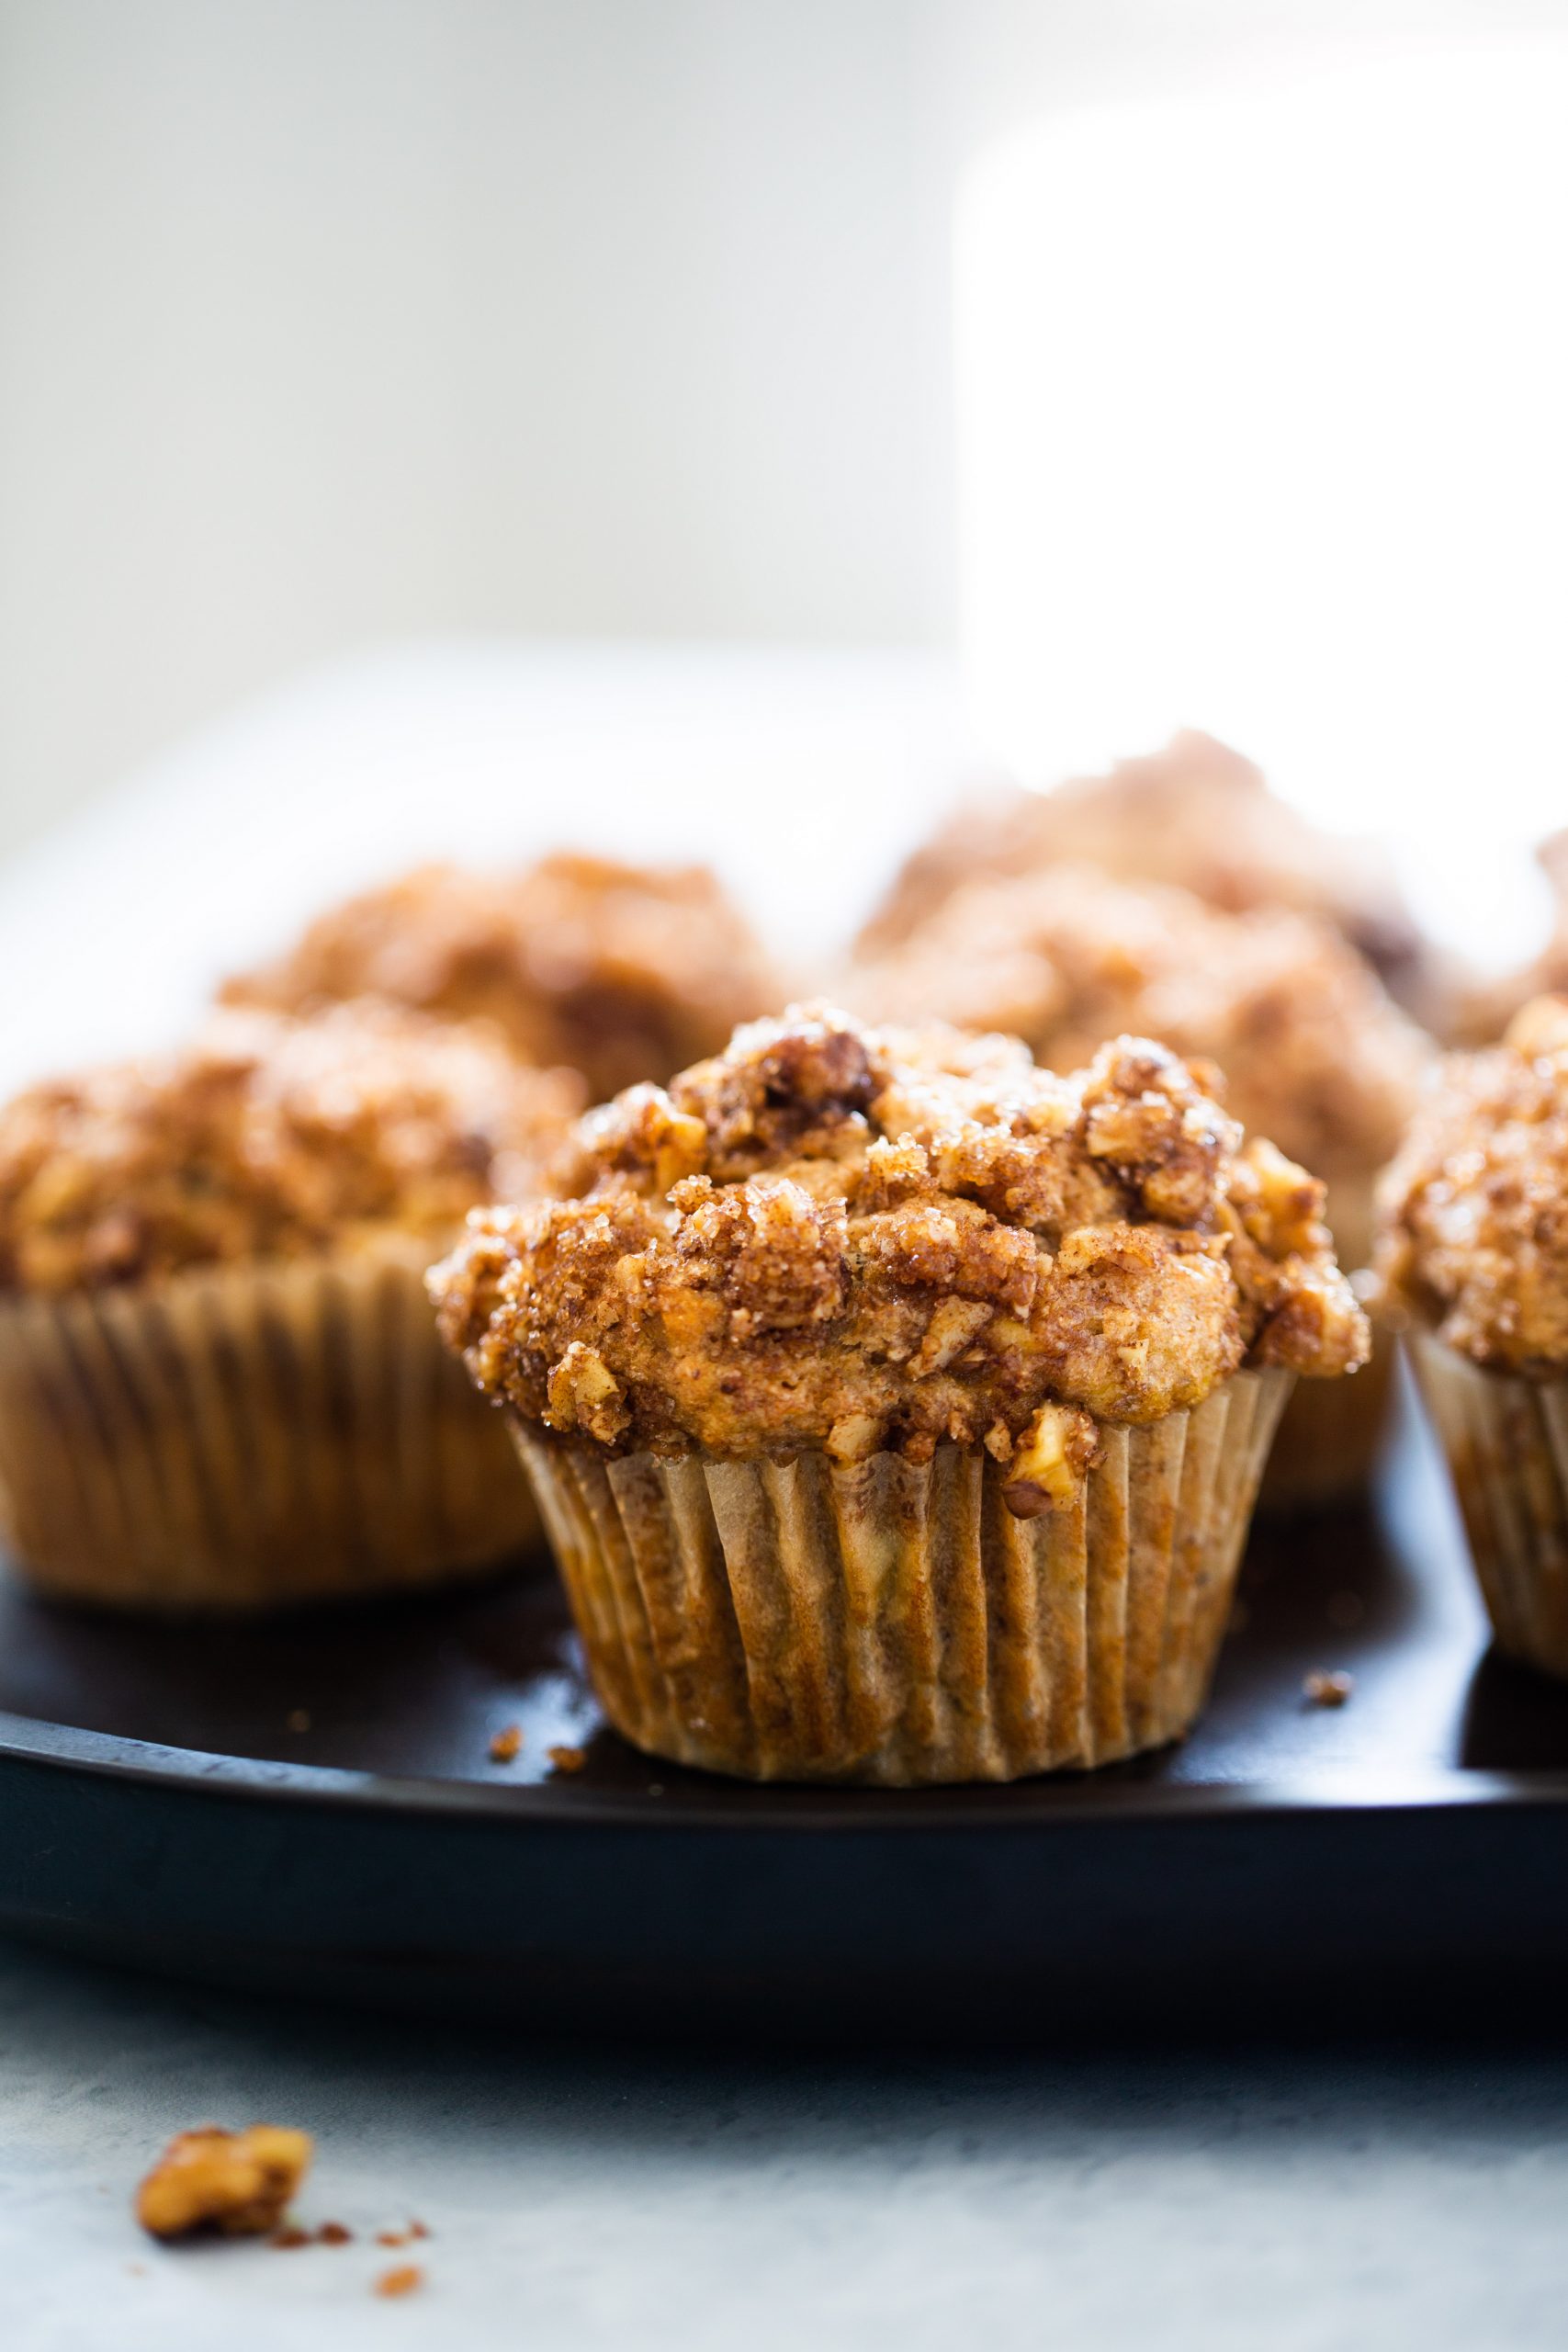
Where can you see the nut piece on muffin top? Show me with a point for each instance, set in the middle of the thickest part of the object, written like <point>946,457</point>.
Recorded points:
<point>268,1137</point>
<point>848,1238</point>
<point>622,972</point>
<point>1474,1210</point>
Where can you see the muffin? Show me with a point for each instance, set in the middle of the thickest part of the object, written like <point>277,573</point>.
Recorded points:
<point>1483,1011</point>
<point>221,1384</point>
<point>895,1407</point>
<point>622,972</point>
<point>1313,1052</point>
<point>1197,815</point>
<point>1473,1249</point>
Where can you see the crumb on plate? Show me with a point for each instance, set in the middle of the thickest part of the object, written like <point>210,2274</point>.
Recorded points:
<point>237,2183</point>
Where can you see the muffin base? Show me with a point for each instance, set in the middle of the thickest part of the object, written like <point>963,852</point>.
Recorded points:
<point>1506,1442</point>
<point>892,1623</point>
<point>248,1437</point>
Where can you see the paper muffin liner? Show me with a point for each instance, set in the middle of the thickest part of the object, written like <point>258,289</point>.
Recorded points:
<point>1332,1432</point>
<point>243,1436</point>
<point>893,1623</point>
<point>1506,1442</point>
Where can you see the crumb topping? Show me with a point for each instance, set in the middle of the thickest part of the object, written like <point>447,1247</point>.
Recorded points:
<point>1314,1054</point>
<point>235,2182</point>
<point>268,1137</point>
<point>1196,814</point>
<point>839,1237</point>
<point>1473,1238</point>
<point>622,972</point>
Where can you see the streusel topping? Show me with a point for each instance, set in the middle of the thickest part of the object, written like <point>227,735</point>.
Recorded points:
<point>1313,1052</point>
<point>841,1236</point>
<point>1195,814</point>
<point>269,1137</point>
<point>622,972</point>
<point>1474,1210</point>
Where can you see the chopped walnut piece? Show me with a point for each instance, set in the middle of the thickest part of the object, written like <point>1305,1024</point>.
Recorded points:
<point>1321,1689</point>
<point>403,2279</point>
<point>506,1745</point>
<point>334,2234</point>
<point>235,2182</point>
<point>1050,1461</point>
<point>567,1759</point>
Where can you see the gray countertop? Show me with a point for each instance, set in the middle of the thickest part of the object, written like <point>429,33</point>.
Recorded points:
<point>588,2197</point>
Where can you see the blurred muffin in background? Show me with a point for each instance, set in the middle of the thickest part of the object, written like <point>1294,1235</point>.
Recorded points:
<point>895,1407</point>
<point>1313,1053</point>
<point>1483,1011</point>
<point>1197,815</point>
<point>221,1384</point>
<point>1473,1250</point>
<point>622,972</point>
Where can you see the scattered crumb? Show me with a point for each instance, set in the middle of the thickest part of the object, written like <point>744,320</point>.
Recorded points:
<point>567,1759</point>
<point>1346,1609</point>
<point>403,2279</point>
<point>1323,1690</point>
<point>235,2182</point>
<point>333,2234</point>
<point>136,2269</point>
<point>298,1719</point>
<point>288,2239</point>
<point>505,1745</point>
<point>405,2236</point>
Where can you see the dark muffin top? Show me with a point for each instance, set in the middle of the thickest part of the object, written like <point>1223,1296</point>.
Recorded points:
<point>840,1237</point>
<point>1313,1051</point>
<point>622,972</point>
<point>268,1137</point>
<point>1474,1211</point>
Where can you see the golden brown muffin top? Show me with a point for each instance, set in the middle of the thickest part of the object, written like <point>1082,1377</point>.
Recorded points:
<point>1473,1238</point>
<point>1313,1052</point>
<point>840,1237</point>
<point>622,972</point>
<point>1197,815</point>
<point>268,1137</point>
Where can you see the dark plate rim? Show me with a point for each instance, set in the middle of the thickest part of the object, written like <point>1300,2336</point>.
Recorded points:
<point>693,1802</point>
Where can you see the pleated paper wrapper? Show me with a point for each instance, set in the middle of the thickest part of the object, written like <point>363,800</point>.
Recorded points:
<point>248,1436</point>
<point>1506,1442</point>
<point>1332,1432</point>
<point>893,1623</point>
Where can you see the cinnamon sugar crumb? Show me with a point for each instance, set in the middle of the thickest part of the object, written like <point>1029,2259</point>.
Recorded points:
<point>506,1744</point>
<point>334,2234</point>
<point>567,1759</point>
<point>285,2240</point>
<point>404,2279</point>
<point>1324,1690</point>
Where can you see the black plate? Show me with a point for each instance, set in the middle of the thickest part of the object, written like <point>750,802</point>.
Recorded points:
<point>311,1804</point>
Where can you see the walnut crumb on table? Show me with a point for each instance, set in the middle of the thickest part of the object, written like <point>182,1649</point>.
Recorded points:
<point>237,2183</point>
<point>506,1744</point>
<point>567,1759</point>
<point>403,2279</point>
<point>1324,1690</point>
